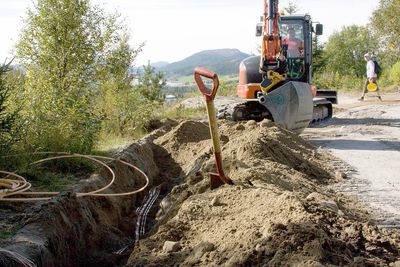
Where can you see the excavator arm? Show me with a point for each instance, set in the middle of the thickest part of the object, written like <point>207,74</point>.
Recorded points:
<point>273,63</point>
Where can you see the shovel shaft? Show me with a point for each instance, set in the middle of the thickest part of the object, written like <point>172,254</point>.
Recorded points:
<point>212,118</point>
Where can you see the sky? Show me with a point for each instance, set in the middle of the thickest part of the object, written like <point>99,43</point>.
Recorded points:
<point>175,29</point>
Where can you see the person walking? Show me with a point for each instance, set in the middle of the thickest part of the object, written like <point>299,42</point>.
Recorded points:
<point>372,77</point>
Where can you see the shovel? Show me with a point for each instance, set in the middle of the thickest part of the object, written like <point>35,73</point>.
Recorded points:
<point>216,179</point>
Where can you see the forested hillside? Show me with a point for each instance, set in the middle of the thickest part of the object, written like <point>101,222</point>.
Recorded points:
<point>222,61</point>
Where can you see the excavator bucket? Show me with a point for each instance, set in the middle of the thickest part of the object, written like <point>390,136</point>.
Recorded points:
<point>290,105</point>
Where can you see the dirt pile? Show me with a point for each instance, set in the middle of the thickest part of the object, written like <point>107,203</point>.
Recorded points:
<point>278,213</point>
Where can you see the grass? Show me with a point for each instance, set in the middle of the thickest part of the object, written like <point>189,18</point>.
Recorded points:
<point>5,234</point>
<point>59,174</point>
<point>54,182</point>
<point>109,141</point>
<point>183,113</point>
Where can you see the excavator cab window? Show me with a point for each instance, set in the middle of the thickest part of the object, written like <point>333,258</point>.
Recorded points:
<point>292,33</point>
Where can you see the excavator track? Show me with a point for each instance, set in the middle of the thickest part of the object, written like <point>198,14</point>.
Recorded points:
<point>243,111</point>
<point>252,110</point>
<point>322,110</point>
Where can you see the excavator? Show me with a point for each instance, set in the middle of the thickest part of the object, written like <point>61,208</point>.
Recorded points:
<point>277,85</point>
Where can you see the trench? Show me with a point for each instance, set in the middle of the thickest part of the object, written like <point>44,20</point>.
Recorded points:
<point>89,231</point>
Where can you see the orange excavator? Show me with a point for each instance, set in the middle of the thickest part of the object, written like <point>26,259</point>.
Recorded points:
<point>277,85</point>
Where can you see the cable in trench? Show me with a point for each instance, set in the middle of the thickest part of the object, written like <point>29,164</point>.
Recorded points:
<point>17,258</point>
<point>142,213</point>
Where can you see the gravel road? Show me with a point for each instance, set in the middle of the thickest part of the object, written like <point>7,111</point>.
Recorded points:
<point>366,137</point>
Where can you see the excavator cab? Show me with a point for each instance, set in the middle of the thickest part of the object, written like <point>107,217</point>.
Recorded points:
<point>298,30</point>
<point>293,37</point>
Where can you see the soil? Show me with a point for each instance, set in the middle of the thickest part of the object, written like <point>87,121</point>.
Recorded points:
<point>279,212</point>
<point>283,209</point>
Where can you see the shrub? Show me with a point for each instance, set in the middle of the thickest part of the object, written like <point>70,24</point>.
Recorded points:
<point>8,134</point>
<point>394,75</point>
<point>330,80</point>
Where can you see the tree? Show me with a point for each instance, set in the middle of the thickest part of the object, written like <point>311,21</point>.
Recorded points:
<point>317,52</point>
<point>64,45</point>
<point>292,8</point>
<point>151,83</point>
<point>345,49</point>
<point>385,21</point>
<point>7,116</point>
<point>118,98</point>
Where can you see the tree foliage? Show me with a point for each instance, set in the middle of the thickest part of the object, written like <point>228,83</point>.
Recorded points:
<point>344,51</point>
<point>317,55</point>
<point>394,74</point>
<point>292,8</point>
<point>386,23</point>
<point>7,116</point>
<point>118,99</point>
<point>64,46</point>
<point>151,83</point>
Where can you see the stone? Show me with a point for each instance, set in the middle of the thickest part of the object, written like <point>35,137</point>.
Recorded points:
<point>251,123</point>
<point>266,123</point>
<point>171,246</point>
<point>329,205</point>
<point>240,127</point>
<point>215,202</point>
<point>315,196</point>
<point>202,248</point>
<point>340,175</point>
<point>224,139</point>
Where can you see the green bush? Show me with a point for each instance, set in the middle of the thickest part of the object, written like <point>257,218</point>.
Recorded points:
<point>394,75</point>
<point>330,80</point>
<point>8,129</point>
<point>227,88</point>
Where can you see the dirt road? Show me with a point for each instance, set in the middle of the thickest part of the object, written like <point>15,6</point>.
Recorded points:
<point>366,137</point>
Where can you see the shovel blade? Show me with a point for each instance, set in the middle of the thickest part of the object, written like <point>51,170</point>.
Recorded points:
<point>215,181</point>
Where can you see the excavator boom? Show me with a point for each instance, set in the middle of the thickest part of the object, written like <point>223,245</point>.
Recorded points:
<point>271,45</point>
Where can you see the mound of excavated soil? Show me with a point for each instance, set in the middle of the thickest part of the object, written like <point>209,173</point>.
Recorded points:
<point>279,211</point>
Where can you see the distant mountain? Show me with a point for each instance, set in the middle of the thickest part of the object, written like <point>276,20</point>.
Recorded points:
<point>221,61</point>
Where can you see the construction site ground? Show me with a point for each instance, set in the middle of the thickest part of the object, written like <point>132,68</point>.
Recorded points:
<point>366,136</point>
<point>325,198</point>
